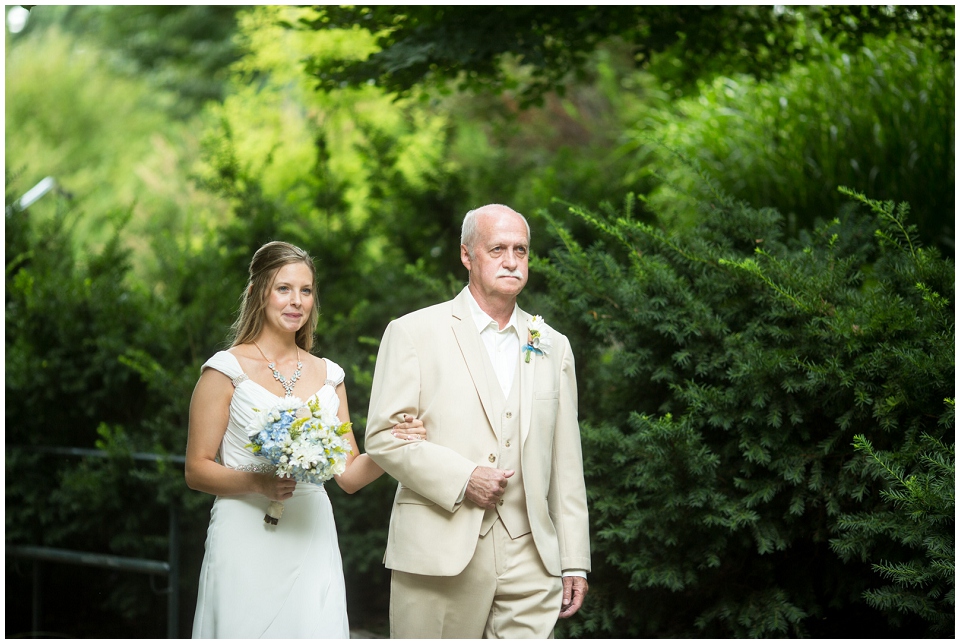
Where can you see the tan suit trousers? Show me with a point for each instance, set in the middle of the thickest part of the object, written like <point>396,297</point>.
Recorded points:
<point>504,593</point>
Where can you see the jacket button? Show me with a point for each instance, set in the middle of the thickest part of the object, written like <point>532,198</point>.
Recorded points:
<point>492,458</point>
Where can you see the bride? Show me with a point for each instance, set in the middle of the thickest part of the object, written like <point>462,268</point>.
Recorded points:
<point>260,580</point>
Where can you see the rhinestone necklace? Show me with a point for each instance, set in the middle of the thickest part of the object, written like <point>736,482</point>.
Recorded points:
<point>287,386</point>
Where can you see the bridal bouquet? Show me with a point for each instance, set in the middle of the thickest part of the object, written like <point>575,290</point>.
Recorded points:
<point>305,442</point>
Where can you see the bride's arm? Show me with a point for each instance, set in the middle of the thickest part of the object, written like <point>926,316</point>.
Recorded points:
<point>209,413</point>
<point>361,470</point>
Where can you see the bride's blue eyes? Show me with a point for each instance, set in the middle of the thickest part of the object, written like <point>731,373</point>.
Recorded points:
<point>284,289</point>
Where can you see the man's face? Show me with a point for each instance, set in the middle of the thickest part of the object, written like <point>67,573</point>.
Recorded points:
<point>500,254</point>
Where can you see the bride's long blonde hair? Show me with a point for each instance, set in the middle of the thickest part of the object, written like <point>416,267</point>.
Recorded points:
<point>269,259</point>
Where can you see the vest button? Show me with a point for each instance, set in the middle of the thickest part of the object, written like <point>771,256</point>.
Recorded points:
<point>509,414</point>
<point>492,458</point>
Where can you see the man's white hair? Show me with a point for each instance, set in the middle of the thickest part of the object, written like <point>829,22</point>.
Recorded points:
<point>468,232</point>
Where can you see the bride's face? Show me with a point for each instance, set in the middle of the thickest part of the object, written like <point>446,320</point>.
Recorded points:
<point>290,299</point>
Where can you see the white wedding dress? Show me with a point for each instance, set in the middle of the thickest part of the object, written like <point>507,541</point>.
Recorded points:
<point>260,580</point>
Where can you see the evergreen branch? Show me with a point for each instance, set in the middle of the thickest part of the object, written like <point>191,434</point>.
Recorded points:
<point>902,573</point>
<point>861,444</point>
<point>625,223</point>
<point>576,251</point>
<point>885,210</point>
<point>751,266</point>
<point>651,232</point>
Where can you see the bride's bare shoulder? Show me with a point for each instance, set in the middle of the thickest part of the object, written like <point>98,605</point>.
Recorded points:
<point>314,361</point>
<point>246,354</point>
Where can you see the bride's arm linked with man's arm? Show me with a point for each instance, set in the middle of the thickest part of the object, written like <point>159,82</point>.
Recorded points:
<point>209,411</point>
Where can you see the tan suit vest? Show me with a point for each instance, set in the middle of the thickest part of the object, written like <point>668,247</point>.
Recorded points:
<point>512,508</point>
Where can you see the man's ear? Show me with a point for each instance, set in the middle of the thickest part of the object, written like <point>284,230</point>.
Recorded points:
<point>465,256</point>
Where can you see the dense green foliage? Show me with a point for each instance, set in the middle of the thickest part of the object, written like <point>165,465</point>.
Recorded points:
<point>74,328</point>
<point>880,119</point>
<point>780,105</point>
<point>114,150</point>
<point>184,49</point>
<point>431,45</point>
<point>730,369</point>
<point>767,440</point>
<point>921,516</point>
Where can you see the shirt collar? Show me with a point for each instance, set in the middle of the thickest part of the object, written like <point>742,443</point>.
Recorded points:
<point>482,320</point>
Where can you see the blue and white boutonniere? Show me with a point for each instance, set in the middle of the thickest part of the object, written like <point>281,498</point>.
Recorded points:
<point>538,340</point>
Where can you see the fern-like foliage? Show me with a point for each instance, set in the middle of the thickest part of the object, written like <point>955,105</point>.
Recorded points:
<point>724,373</point>
<point>919,486</point>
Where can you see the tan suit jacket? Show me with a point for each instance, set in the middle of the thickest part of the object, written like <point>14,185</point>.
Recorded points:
<point>431,365</point>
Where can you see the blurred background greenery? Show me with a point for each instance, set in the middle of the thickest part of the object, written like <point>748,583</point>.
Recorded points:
<point>738,320</point>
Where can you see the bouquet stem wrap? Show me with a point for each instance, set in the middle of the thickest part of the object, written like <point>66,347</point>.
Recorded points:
<point>274,512</point>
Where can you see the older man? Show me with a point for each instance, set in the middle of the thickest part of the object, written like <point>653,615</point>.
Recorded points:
<point>489,532</point>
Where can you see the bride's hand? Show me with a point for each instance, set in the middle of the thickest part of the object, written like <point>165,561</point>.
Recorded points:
<point>277,488</point>
<point>411,429</point>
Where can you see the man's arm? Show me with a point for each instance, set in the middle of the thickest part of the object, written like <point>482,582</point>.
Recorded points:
<point>567,498</point>
<point>432,471</point>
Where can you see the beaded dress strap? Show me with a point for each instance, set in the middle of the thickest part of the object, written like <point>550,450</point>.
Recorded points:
<point>335,373</point>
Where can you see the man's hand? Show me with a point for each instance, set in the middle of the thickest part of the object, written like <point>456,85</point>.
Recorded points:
<point>487,485</point>
<point>574,590</point>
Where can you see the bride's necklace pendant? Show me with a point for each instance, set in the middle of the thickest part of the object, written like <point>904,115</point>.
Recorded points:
<point>272,365</point>
<point>287,386</point>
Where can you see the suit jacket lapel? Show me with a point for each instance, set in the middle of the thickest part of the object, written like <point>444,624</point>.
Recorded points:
<point>471,347</point>
<point>527,375</point>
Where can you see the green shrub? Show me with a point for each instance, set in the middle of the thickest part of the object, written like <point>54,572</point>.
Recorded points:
<point>70,324</point>
<point>724,373</point>
<point>920,516</point>
<point>880,120</point>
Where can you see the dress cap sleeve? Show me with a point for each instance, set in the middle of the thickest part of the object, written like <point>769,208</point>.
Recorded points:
<point>335,373</point>
<point>227,364</point>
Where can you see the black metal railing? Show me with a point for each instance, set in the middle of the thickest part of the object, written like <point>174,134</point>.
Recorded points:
<point>169,568</point>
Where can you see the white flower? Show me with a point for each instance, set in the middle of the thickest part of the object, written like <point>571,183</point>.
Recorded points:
<point>317,453</point>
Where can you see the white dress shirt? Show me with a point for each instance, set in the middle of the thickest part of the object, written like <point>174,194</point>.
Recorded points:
<point>503,345</point>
